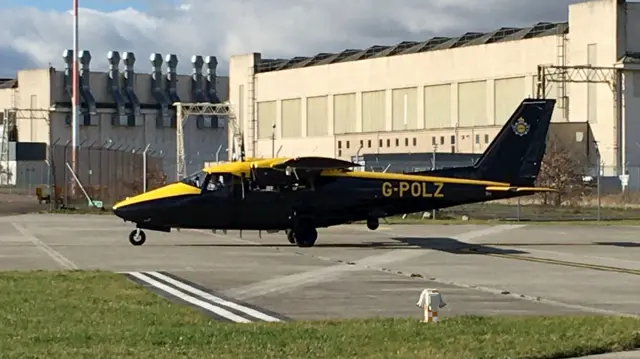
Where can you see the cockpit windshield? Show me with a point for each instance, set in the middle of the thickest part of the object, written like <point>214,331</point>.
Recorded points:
<point>195,179</point>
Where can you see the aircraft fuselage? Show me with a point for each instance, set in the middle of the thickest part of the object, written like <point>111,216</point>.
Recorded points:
<point>331,201</point>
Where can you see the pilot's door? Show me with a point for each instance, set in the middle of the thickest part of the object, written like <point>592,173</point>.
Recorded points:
<point>218,207</point>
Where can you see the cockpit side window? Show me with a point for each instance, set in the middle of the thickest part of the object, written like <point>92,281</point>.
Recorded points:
<point>219,182</point>
<point>195,179</point>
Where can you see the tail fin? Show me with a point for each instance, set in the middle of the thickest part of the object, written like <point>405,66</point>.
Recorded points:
<point>515,154</point>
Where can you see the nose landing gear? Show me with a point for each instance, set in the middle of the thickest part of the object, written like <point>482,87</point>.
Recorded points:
<point>137,237</point>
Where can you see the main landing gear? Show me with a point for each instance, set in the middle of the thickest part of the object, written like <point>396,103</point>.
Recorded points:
<point>373,223</point>
<point>303,237</point>
<point>137,237</point>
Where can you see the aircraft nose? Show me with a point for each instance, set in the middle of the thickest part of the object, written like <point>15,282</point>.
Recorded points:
<point>123,212</point>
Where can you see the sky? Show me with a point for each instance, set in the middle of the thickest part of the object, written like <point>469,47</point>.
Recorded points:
<point>34,33</point>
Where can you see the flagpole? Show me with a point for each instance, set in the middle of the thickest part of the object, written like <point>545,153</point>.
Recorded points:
<point>75,99</point>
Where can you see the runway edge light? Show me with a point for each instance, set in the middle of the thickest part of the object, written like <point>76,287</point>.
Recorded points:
<point>431,300</point>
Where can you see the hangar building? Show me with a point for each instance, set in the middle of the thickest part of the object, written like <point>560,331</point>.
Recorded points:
<point>123,107</point>
<point>449,94</point>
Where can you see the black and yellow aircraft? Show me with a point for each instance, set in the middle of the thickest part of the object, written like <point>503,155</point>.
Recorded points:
<point>299,195</point>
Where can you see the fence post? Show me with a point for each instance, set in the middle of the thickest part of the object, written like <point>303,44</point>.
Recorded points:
<point>144,168</point>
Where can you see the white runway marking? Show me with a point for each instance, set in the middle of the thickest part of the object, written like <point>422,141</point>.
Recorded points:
<point>215,299</point>
<point>62,260</point>
<point>218,306</point>
<point>328,274</point>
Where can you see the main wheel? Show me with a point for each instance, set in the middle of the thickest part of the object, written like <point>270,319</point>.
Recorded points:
<point>290,236</point>
<point>137,237</point>
<point>306,237</point>
<point>373,223</point>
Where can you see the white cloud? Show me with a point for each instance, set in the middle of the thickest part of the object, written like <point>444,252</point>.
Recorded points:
<point>277,28</point>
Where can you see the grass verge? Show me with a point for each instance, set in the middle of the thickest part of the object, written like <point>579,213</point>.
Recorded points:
<point>103,315</point>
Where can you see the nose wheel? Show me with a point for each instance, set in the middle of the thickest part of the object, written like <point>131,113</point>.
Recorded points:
<point>137,237</point>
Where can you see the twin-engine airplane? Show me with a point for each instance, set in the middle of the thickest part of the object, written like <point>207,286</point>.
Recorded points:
<point>299,195</point>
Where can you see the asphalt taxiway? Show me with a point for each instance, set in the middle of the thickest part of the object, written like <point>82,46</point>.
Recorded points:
<point>351,272</point>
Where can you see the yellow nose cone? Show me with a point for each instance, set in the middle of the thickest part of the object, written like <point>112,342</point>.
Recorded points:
<point>168,191</point>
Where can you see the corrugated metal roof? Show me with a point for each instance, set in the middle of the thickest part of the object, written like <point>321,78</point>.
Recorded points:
<point>411,47</point>
<point>8,83</point>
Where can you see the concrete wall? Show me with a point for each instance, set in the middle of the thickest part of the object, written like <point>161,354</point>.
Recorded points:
<point>39,89</point>
<point>408,73</point>
<point>462,92</point>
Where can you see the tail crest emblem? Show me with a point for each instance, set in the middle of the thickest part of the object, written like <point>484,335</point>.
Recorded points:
<point>520,127</point>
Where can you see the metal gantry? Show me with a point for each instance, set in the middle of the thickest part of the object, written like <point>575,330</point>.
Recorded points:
<point>577,74</point>
<point>589,74</point>
<point>183,111</point>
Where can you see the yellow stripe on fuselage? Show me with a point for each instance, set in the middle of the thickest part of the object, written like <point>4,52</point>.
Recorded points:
<point>409,177</point>
<point>170,190</point>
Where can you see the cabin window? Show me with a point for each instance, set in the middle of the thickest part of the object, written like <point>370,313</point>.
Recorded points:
<point>195,179</point>
<point>220,183</point>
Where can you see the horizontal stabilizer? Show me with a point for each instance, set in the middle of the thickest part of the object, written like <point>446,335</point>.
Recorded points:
<point>519,189</point>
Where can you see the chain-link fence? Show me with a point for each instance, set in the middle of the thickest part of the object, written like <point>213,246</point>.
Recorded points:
<point>105,174</point>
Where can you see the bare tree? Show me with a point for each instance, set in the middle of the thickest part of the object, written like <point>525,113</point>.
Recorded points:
<point>561,171</point>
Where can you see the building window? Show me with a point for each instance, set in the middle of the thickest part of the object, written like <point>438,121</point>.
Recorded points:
<point>397,142</point>
<point>477,139</point>
<point>442,140</point>
<point>347,144</point>
<point>486,138</point>
<point>415,142</point>
<point>406,142</point>
<point>453,149</point>
<point>433,140</point>
<point>339,144</point>
<point>369,143</point>
<point>380,143</point>
<point>453,139</point>
<point>361,143</point>
<point>388,142</point>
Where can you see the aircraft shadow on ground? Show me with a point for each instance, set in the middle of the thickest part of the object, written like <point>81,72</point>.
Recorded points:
<point>619,244</point>
<point>443,244</point>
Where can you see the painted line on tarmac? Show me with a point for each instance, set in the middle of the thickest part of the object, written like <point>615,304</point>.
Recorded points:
<point>55,255</point>
<point>217,307</point>
<point>554,262</point>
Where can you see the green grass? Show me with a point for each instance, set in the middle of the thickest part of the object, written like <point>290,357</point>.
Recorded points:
<point>102,315</point>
